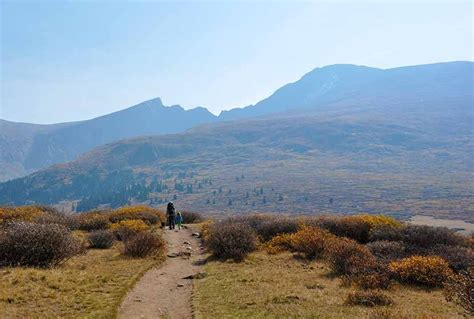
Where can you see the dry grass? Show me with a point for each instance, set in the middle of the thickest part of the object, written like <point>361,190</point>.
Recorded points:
<point>280,286</point>
<point>91,285</point>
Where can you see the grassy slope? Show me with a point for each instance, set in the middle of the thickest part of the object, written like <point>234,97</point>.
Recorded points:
<point>280,286</point>
<point>87,286</point>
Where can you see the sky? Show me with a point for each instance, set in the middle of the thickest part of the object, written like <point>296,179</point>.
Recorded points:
<point>75,60</point>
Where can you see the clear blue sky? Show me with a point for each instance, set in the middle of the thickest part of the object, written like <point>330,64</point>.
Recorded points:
<point>64,61</point>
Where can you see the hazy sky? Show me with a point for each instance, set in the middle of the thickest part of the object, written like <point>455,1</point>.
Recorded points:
<point>64,61</point>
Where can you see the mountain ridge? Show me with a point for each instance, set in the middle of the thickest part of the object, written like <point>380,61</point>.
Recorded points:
<point>331,88</point>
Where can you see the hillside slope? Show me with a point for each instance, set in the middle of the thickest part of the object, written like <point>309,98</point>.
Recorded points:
<point>326,162</point>
<point>31,147</point>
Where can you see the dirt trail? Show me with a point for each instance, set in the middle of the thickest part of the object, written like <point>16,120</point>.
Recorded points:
<point>162,291</point>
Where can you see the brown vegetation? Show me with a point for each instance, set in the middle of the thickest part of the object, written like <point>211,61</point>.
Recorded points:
<point>427,271</point>
<point>368,298</point>
<point>143,244</point>
<point>37,245</point>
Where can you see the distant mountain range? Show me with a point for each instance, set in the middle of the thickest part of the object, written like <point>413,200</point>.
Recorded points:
<point>342,139</point>
<point>29,147</point>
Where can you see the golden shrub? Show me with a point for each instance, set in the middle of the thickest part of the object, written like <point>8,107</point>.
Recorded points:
<point>21,213</point>
<point>310,241</point>
<point>94,220</point>
<point>136,225</point>
<point>279,244</point>
<point>205,229</point>
<point>147,214</point>
<point>377,220</point>
<point>429,271</point>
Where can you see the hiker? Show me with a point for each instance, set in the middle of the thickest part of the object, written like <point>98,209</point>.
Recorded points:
<point>170,212</point>
<point>179,220</point>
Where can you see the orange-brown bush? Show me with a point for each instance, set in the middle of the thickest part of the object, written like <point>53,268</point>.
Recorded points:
<point>37,245</point>
<point>127,228</point>
<point>310,241</point>
<point>147,214</point>
<point>280,243</point>
<point>347,257</point>
<point>430,271</point>
<point>231,240</point>
<point>143,244</point>
<point>100,239</point>
<point>373,276</point>
<point>459,288</point>
<point>205,229</point>
<point>94,220</point>
<point>369,298</point>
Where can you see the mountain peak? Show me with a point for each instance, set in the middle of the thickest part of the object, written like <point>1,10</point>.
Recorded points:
<point>152,103</point>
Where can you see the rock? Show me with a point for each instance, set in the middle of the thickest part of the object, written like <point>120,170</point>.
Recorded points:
<point>187,243</point>
<point>198,235</point>
<point>180,285</point>
<point>189,248</point>
<point>199,275</point>
<point>173,255</point>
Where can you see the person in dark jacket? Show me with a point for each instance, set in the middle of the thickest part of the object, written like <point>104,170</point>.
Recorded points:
<point>170,214</point>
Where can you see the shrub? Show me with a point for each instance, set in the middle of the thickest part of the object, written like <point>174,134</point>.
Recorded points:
<point>126,228</point>
<point>379,220</point>
<point>94,220</point>
<point>427,271</point>
<point>280,243</point>
<point>351,227</point>
<point>55,217</point>
<point>387,250</point>
<point>355,227</point>
<point>231,240</point>
<point>37,245</point>
<point>416,237</point>
<point>370,298</point>
<point>459,288</point>
<point>20,213</point>
<point>386,233</point>
<point>347,257</point>
<point>274,226</point>
<point>143,244</point>
<point>145,213</point>
<point>192,217</point>
<point>372,276</point>
<point>459,258</point>
<point>101,239</point>
<point>206,229</point>
<point>310,241</point>
<point>266,226</point>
